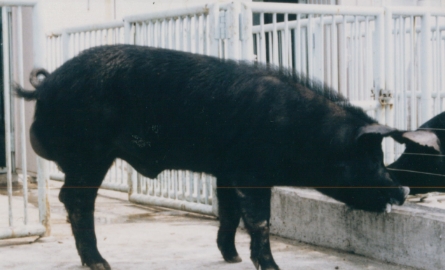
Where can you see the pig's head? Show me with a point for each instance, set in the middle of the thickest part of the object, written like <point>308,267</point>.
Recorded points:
<point>359,176</point>
<point>422,164</point>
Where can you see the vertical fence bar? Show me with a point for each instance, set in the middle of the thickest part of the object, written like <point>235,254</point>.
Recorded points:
<point>441,67</point>
<point>274,38</point>
<point>359,60</point>
<point>22,112</point>
<point>170,34</point>
<point>191,180</point>
<point>354,74</point>
<point>418,117</point>
<point>328,49</point>
<point>438,77</point>
<point>199,35</point>
<point>7,109</point>
<point>207,193</point>
<point>343,58</point>
<point>334,53</point>
<point>177,29</point>
<point>246,35</point>
<point>397,68</point>
<point>233,27</point>
<point>199,187</point>
<point>297,41</point>
<point>368,57</point>
<point>185,30</point>
<point>192,40</point>
<point>413,84</point>
<point>262,40</point>
<point>321,47</point>
<point>65,46</point>
<point>404,89</point>
<point>285,42</point>
<point>214,197</point>
<point>389,77</point>
<point>214,30</point>
<point>425,70</point>
<point>310,46</point>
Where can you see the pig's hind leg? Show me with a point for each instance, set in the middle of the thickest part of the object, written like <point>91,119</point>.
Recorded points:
<point>83,176</point>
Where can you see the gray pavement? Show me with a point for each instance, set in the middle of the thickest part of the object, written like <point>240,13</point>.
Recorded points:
<point>139,237</point>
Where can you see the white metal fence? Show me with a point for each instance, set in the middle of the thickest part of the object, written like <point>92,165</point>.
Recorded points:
<point>415,64</point>
<point>184,29</point>
<point>387,60</point>
<point>20,217</point>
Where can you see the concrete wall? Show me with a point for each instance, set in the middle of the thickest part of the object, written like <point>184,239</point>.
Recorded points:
<point>410,235</point>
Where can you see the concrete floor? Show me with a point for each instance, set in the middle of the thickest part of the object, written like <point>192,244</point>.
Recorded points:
<point>138,237</point>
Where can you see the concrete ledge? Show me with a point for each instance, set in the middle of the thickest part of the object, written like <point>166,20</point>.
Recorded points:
<point>410,235</point>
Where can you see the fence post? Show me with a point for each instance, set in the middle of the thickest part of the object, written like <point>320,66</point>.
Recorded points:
<point>426,76</point>
<point>43,187</point>
<point>42,165</point>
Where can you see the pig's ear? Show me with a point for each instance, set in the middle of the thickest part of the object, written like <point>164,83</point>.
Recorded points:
<point>419,137</point>
<point>376,131</point>
<point>422,138</point>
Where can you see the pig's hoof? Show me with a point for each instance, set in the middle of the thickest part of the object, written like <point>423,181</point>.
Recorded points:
<point>270,268</point>
<point>255,263</point>
<point>264,263</point>
<point>100,266</point>
<point>229,254</point>
<point>233,259</point>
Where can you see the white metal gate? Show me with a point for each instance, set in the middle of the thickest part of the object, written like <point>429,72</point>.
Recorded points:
<point>183,29</point>
<point>18,216</point>
<point>379,58</point>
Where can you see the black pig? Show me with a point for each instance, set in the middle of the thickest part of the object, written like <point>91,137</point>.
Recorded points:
<point>251,126</point>
<point>422,165</point>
